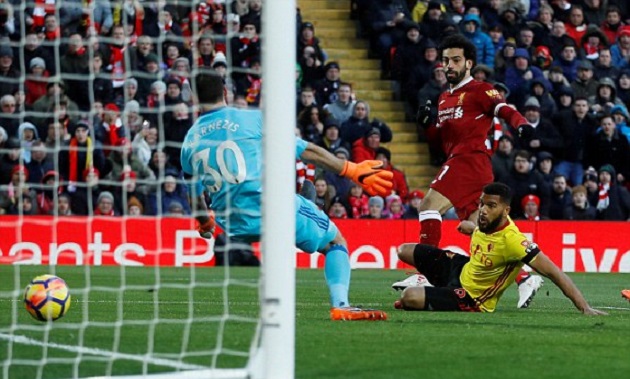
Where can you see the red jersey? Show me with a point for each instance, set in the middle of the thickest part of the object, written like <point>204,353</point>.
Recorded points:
<point>465,117</point>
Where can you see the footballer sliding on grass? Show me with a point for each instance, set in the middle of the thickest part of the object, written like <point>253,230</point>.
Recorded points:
<point>498,250</point>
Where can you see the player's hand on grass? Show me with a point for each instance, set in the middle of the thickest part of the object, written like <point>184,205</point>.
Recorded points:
<point>206,229</point>
<point>466,227</point>
<point>593,312</point>
<point>370,176</point>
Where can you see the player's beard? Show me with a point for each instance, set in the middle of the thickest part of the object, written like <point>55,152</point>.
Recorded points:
<point>491,226</point>
<point>455,80</point>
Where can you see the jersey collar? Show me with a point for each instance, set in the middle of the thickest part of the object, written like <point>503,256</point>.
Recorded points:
<point>461,84</point>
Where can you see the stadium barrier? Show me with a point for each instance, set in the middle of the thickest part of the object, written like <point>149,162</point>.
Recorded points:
<point>147,241</point>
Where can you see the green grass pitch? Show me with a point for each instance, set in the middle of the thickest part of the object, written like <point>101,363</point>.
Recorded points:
<point>551,339</point>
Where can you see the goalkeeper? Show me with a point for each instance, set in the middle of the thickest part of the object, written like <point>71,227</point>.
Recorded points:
<point>223,153</point>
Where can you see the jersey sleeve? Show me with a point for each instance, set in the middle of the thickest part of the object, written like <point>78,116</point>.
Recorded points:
<point>300,146</point>
<point>489,98</point>
<point>519,248</point>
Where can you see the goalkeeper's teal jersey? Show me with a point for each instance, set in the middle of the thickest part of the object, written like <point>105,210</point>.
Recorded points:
<point>223,152</point>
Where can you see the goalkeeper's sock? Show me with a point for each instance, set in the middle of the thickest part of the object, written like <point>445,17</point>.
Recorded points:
<point>430,227</point>
<point>337,271</point>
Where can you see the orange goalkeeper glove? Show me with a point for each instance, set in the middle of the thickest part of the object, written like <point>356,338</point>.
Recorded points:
<point>368,175</point>
<point>206,230</point>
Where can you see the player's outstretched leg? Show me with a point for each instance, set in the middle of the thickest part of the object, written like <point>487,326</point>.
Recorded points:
<point>337,271</point>
<point>527,288</point>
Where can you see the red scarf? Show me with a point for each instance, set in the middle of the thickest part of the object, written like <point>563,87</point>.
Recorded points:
<point>304,171</point>
<point>73,155</point>
<point>254,90</point>
<point>55,34</point>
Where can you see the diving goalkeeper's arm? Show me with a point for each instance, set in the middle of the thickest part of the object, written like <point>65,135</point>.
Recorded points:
<point>368,174</point>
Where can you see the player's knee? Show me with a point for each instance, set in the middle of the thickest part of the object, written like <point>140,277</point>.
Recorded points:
<point>413,298</point>
<point>405,252</point>
<point>339,240</point>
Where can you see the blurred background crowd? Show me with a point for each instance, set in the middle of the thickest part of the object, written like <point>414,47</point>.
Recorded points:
<point>96,97</point>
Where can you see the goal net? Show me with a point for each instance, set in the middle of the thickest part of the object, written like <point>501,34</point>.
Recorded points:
<point>95,100</point>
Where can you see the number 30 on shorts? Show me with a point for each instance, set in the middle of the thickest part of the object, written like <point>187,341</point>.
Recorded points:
<point>442,173</point>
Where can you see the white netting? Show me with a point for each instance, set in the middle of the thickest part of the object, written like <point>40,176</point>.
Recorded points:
<point>101,200</point>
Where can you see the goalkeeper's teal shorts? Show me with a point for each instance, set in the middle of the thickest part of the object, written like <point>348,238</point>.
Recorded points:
<point>313,228</point>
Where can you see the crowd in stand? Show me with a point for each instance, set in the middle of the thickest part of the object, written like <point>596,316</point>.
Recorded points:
<point>96,98</point>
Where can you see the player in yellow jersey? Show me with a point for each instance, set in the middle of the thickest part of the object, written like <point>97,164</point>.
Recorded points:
<point>498,250</point>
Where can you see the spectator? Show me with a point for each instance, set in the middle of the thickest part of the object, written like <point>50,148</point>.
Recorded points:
<point>50,184</point>
<point>307,38</point>
<point>608,146</point>
<point>33,49</point>
<point>39,164</point>
<point>525,181</point>
<point>9,159</point>
<point>330,139</point>
<point>542,58</point>
<point>604,67</point>
<point>27,133</point>
<point>171,191</point>
<point>311,123</point>
<point>159,164</point>
<point>408,54</point>
<point>544,25</point>
<point>80,154</point>
<point>568,61</point>
<point>591,179</point>
<point>400,182</point>
<point>323,194</point>
<point>592,42</point>
<point>307,98</point>
<point>575,127</point>
<point>250,85</point>
<point>433,21</point>
<point>326,88</point>
<point>76,61</point>
<point>530,205</point>
<point>127,191</point>
<point>579,209</point>
<point>612,25</point>
<point>584,85</point>
<point>539,90</point>
<point>394,209</point>
<point>253,15</point>
<point>560,197</point>
<point>337,209</point>
<point>102,84</point>
<point>105,205</point>
<point>358,125</point>
<point>621,117</point>
<point>503,159</point>
<point>431,92</point>
<point>545,136</point>
<point>358,201</point>
<point>376,206</point>
<point>365,148</point>
<point>605,97</point>
<point>122,160</point>
<point>341,184</point>
<point>623,90</point>
<point>544,165</point>
<point>145,142</point>
<point>13,193</point>
<point>620,51</point>
<point>483,43</point>
<point>341,109</point>
<point>36,81</point>
<point>248,46</point>
<point>614,200</point>
<point>63,206</point>
<point>8,75</point>
<point>414,200</point>
<point>519,77</point>
<point>312,68</point>
<point>576,27</point>
<point>55,93</point>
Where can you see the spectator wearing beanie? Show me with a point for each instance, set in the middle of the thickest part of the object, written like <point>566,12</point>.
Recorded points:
<point>376,206</point>
<point>105,204</point>
<point>394,208</point>
<point>546,136</point>
<point>585,84</point>
<point>365,148</point>
<point>530,205</point>
<point>414,200</point>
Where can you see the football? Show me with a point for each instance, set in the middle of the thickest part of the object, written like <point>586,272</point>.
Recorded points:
<point>47,298</point>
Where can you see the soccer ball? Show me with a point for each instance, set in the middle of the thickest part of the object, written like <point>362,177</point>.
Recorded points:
<point>47,298</point>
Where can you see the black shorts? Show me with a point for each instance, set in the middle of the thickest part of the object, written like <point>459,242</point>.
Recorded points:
<point>442,268</point>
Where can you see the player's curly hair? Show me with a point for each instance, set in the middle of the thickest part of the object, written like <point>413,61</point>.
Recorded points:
<point>499,189</point>
<point>458,41</point>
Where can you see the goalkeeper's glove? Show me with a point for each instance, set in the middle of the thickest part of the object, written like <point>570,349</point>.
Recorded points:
<point>206,230</point>
<point>423,117</point>
<point>368,175</point>
<point>525,132</point>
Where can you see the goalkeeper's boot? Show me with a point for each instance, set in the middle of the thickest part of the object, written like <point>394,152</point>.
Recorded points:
<point>527,290</point>
<point>625,294</point>
<point>308,191</point>
<point>414,280</point>
<point>356,314</point>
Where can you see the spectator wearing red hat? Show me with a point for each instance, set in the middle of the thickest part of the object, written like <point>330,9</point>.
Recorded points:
<point>414,200</point>
<point>112,125</point>
<point>123,160</point>
<point>530,205</point>
<point>620,51</point>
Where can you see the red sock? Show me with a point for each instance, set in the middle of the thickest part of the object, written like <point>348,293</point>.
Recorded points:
<point>430,228</point>
<point>522,275</point>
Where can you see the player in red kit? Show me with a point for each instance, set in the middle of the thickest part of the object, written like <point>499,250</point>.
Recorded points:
<point>464,121</point>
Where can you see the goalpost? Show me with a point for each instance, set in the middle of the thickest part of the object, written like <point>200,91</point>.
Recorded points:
<point>129,321</point>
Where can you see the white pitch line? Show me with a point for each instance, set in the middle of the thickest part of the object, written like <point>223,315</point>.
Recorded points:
<point>99,352</point>
<point>615,308</point>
